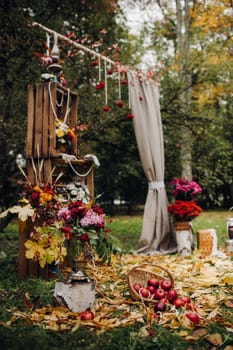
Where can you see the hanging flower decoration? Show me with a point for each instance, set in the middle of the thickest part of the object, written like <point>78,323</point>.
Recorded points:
<point>130,116</point>
<point>99,85</point>
<point>94,63</point>
<point>120,103</point>
<point>106,108</point>
<point>124,82</point>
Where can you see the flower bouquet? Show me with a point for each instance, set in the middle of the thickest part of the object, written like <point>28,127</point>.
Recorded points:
<point>65,226</point>
<point>184,189</point>
<point>184,210</point>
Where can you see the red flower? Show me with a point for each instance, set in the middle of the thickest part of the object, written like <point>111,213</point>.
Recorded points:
<point>77,210</point>
<point>130,116</point>
<point>97,209</point>
<point>110,72</point>
<point>95,63</point>
<point>124,82</point>
<point>67,232</point>
<point>84,237</point>
<point>106,109</point>
<point>120,103</point>
<point>184,210</point>
<point>99,85</point>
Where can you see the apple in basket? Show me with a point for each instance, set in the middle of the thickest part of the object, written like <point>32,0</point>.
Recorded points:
<point>172,295</point>
<point>151,289</point>
<point>166,284</point>
<point>144,293</point>
<point>159,294</point>
<point>137,286</point>
<point>153,282</point>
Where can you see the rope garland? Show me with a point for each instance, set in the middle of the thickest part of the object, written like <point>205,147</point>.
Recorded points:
<point>67,104</point>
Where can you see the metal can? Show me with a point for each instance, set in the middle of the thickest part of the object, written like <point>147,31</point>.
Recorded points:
<point>230,228</point>
<point>229,245</point>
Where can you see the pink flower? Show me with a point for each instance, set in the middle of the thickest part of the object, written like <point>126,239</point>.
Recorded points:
<point>64,214</point>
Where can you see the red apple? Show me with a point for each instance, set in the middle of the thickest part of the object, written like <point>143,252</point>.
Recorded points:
<point>186,299</point>
<point>160,306</point>
<point>137,286</point>
<point>86,315</point>
<point>164,300</point>
<point>193,317</point>
<point>144,293</point>
<point>153,282</point>
<point>159,293</point>
<point>191,306</point>
<point>172,295</point>
<point>178,302</point>
<point>151,289</point>
<point>166,284</point>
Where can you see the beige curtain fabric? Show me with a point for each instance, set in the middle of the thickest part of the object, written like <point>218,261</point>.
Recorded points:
<point>156,236</point>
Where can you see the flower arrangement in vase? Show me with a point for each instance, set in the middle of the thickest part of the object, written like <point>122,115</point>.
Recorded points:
<point>183,210</point>
<point>66,224</point>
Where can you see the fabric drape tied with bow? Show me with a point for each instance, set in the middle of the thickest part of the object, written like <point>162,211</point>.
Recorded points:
<point>157,233</point>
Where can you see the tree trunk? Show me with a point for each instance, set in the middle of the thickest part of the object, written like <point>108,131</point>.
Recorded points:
<point>183,46</point>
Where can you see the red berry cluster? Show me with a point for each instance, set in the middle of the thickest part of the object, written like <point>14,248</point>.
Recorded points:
<point>165,295</point>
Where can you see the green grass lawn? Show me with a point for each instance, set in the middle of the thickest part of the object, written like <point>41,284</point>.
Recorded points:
<point>22,335</point>
<point>128,228</point>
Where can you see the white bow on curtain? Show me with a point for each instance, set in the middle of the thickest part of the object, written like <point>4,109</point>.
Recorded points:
<point>156,236</point>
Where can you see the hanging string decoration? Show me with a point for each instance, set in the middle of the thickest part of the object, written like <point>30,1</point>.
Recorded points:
<point>64,134</point>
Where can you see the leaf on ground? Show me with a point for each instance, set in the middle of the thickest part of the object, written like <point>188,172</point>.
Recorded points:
<point>215,339</point>
<point>114,306</point>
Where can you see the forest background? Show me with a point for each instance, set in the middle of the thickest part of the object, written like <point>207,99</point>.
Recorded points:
<point>192,46</point>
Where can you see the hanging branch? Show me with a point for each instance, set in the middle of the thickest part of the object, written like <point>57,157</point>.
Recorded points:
<point>75,44</point>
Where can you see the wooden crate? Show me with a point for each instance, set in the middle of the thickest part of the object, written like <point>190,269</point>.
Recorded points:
<point>44,162</point>
<point>42,102</point>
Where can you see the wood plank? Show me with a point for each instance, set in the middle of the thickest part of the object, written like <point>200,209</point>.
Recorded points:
<point>47,171</point>
<point>33,268</point>
<point>73,123</point>
<point>45,122</point>
<point>23,236</point>
<point>43,273</point>
<point>30,122</point>
<point>38,123</point>
<point>52,120</point>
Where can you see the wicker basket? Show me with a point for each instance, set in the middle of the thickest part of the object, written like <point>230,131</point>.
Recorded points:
<point>182,225</point>
<point>205,242</point>
<point>141,274</point>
